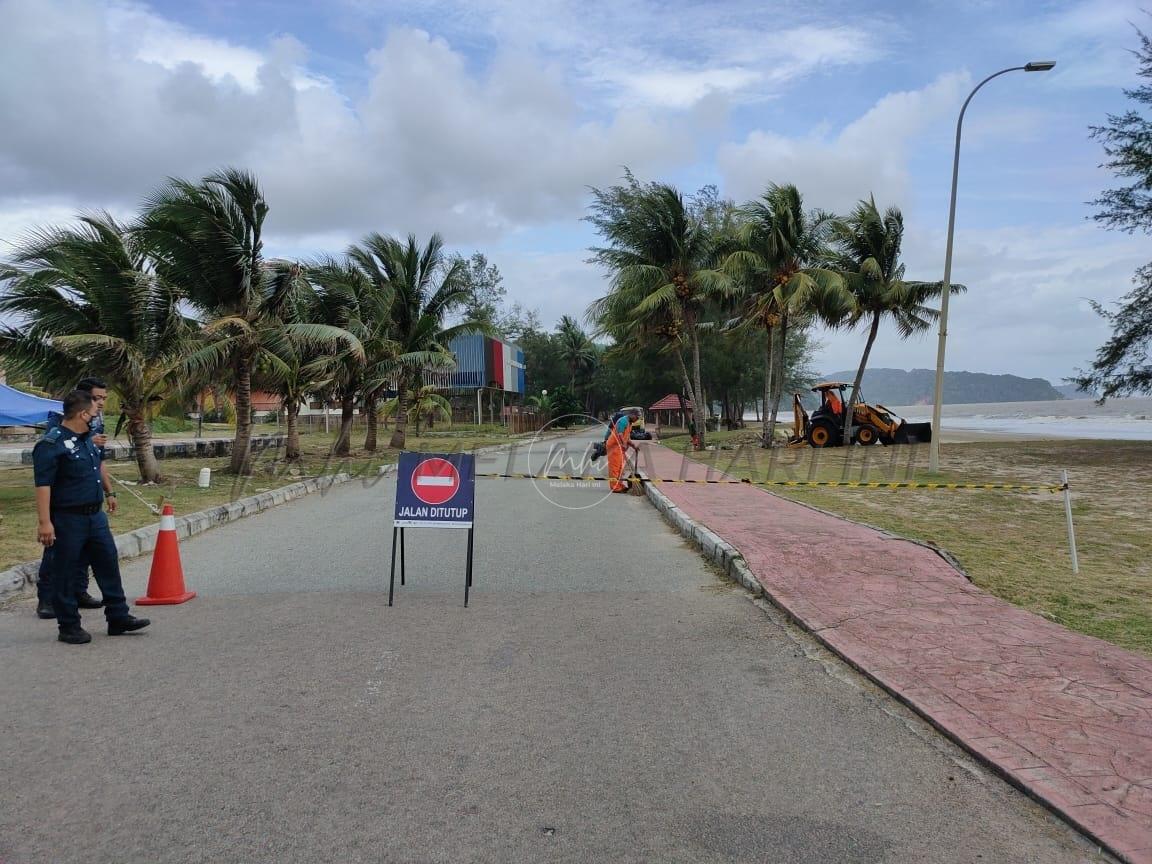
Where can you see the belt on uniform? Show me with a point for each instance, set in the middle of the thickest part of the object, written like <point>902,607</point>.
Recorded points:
<point>80,509</point>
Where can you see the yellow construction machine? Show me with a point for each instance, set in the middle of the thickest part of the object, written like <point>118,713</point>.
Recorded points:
<point>870,423</point>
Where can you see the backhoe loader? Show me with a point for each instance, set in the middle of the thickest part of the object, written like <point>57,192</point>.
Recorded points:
<point>871,424</point>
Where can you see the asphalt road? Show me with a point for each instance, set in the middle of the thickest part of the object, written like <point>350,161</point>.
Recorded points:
<point>606,697</point>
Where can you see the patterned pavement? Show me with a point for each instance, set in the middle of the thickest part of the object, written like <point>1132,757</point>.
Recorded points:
<point>1066,717</point>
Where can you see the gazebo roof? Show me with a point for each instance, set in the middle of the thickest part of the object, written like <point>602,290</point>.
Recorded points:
<point>671,402</point>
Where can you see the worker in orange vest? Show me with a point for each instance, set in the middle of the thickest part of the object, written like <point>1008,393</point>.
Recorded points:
<point>834,402</point>
<point>617,444</point>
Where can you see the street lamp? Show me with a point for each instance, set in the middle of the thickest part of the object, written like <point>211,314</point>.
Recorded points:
<point>934,447</point>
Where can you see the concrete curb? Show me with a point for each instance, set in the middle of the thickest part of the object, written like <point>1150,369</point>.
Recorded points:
<point>717,550</point>
<point>728,558</point>
<point>132,544</point>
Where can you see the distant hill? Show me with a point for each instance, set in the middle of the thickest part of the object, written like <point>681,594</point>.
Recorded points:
<point>1073,391</point>
<point>918,387</point>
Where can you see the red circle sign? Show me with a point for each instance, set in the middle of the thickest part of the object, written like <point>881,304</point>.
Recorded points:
<point>435,481</point>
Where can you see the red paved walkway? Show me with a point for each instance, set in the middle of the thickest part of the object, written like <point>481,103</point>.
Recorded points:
<point>1069,717</point>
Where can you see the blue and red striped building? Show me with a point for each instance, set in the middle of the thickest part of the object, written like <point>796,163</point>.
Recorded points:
<point>483,362</point>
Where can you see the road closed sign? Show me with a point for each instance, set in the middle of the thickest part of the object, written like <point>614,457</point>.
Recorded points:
<point>435,490</point>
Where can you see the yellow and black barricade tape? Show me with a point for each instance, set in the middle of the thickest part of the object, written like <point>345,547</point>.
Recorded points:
<point>845,484</point>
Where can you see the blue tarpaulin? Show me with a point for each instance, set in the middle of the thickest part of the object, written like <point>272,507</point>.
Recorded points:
<point>24,409</point>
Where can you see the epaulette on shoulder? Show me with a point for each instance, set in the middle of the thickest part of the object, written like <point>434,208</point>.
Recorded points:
<point>53,434</point>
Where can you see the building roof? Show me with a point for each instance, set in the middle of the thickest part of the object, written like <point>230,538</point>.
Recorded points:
<point>671,402</point>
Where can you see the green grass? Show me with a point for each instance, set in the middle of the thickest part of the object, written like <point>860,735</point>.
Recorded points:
<point>18,503</point>
<point>1013,544</point>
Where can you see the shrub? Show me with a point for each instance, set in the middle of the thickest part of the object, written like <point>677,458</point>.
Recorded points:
<point>170,424</point>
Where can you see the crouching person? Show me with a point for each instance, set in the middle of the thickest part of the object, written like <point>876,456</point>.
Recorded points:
<point>70,495</point>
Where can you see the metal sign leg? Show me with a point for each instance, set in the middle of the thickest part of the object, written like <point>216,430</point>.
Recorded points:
<point>392,578</point>
<point>468,576</point>
<point>402,568</point>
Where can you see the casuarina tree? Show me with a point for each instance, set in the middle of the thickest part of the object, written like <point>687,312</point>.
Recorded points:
<point>1122,366</point>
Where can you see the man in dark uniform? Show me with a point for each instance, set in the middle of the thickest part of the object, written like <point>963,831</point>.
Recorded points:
<point>69,497</point>
<point>44,590</point>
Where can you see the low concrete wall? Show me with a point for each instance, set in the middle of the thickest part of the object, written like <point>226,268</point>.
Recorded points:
<point>202,447</point>
<point>143,540</point>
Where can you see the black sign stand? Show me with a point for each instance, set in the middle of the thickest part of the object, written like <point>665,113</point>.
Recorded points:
<point>392,578</point>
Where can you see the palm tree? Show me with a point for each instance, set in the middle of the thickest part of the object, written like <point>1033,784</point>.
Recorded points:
<point>576,350</point>
<point>426,288</point>
<point>658,332</point>
<point>781,249</point>
<point>89,302</point>
<point>869,261</point>
<point>422,403</point>
<point>662,263</point>
<point>375,296</point>
<point>287,377</point>
<point>292,367</point>
<point>545,403</point>
<point>206,239</point>
<point>344,296</point>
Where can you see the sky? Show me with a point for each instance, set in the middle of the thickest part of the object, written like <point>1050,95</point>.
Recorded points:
<point>489,121</point>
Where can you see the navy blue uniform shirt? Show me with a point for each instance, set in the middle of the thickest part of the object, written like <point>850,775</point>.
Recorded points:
<point>70,464</point>
<point>95,426</point>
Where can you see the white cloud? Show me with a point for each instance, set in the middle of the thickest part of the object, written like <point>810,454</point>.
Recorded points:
<point>682,88</point>
<point>135,33</point>
<point>19,217</point>
<point>113,99</point>
<point>1026,309</point>
<point>555,283</point>
<point>868,156</point>
<point>1091,41</point>
<point>642,52</point>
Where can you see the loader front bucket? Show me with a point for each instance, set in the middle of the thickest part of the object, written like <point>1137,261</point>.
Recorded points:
<point>914,433</point>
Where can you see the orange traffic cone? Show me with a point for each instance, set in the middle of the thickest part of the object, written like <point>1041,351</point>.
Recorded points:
<point>166,580</point>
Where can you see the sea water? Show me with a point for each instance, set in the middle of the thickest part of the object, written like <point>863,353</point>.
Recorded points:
<point>1116,419</point>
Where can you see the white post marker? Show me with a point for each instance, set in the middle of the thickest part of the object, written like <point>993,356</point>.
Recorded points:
<point>205,479</point>
<point>1071,527</point>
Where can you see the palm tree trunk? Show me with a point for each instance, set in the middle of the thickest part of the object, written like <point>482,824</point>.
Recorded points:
<point>701,406</point>
<point>769,359</point>
<point>399,435</point>
<point>849,409</point>
<point>372,417</point>
<point>242,444</point>
<point>778,375</point>
<point>140,434</point>
<point>343,444</point>
<point>292,441</point>
<point>693,425</point>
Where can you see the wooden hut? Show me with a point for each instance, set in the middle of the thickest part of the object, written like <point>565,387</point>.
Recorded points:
<point>669,408</point>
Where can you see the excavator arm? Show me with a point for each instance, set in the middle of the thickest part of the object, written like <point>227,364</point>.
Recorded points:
<point>800,422</point>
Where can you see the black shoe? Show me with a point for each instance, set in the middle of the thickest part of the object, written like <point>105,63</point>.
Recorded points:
<point>75,636</point>
<point>87,601</point>
<point>45,610</point>
<point>126,625</point>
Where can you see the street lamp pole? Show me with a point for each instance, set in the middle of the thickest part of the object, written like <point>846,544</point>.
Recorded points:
<point>934,447</point>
